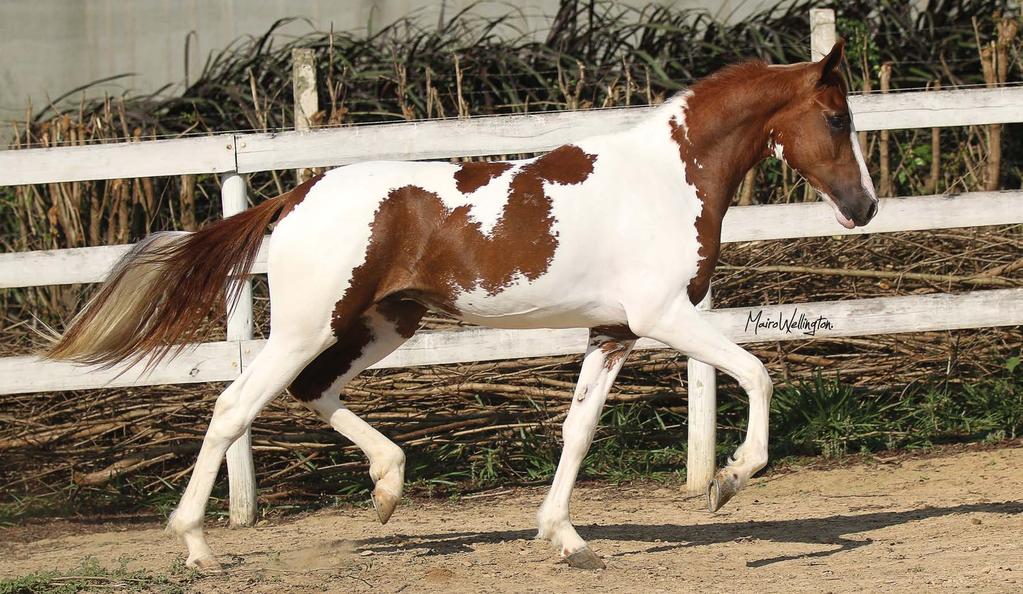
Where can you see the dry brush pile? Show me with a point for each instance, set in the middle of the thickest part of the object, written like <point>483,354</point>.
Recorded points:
<point>474,426</point>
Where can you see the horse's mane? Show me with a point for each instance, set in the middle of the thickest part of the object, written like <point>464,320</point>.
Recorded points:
<point>740,71</point>
<point>739,75</point>
<point>725,76</point>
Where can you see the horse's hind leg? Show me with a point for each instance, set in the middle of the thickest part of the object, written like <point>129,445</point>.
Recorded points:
<point>377,333</point>
<point>274,368</point>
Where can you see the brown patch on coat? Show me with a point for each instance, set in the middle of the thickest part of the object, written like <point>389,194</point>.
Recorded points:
<point>729,117</point>
<point>712,212</point>
<point>317,377</point>
<point>352,339</point>
<point>613,341</point>
<point>419,249</point>
<point>617,331</point>
<point>614,351</point>
<point>404,314</point>
<point>474,175</point>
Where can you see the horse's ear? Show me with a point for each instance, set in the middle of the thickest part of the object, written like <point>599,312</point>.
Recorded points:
<point>831,65</point>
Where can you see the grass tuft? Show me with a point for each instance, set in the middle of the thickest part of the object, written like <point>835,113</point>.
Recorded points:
<point>91,576</point>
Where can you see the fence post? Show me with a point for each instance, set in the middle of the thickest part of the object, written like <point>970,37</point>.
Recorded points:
<point>701,458</point>
<point>822,32</point>
<point>241,472</point>
<point>303,86</point>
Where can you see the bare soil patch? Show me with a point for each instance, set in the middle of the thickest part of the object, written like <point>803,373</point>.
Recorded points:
<point>953,522</point>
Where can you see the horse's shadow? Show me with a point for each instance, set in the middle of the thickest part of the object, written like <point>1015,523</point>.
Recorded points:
<point>830,530</point>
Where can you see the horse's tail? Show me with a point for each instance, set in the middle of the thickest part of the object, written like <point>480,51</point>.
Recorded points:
<point>157,296</point>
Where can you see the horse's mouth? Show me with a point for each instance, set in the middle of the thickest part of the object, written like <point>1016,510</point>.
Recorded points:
<point>843,221</point>
<point>839,215</point>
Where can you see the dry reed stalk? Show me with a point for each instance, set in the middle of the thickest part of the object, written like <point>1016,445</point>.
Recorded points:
<point>980,279</point>
<point>650,99</point>
<point>1007,29</point>
<point>401,90</point>
<point>630,85</point>
<point>786,174</point>
<point>746,191</point>
<point>463,107</point>
<point>866,88</point>
<point>994,62</point>
<point>186,203</point>
<point>429,94</point>
<point>572,97</point>
<point>931,185</point>
<point>994,131</point>
<point>885,185</point>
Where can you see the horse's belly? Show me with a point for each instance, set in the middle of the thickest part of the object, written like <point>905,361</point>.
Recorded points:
<point>523,309</point>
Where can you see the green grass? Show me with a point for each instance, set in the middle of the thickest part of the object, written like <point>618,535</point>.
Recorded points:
<point>634,441</point>
<point>820,417</point>
<point>90,576</point>
<point>127,497</point>
<point>19,508</point>
<point>829,418</point>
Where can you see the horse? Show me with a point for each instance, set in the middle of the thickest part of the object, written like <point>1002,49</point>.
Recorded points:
<point>616,233</point>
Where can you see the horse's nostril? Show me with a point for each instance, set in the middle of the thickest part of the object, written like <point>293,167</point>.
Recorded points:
<point>872,211</point>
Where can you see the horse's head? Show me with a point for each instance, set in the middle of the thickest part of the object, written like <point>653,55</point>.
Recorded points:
<point>814,133</point>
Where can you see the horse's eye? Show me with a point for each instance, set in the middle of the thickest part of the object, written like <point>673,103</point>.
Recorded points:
<point>838,122</point>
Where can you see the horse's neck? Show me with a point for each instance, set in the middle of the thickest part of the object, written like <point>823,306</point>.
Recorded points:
<point>718,133</point>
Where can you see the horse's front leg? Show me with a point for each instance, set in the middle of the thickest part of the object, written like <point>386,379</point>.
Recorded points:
<point>683,329</point>
<point>604,358</point>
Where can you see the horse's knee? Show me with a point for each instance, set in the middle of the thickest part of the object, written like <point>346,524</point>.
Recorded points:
<point>763,381</point>
<point>755,379</point>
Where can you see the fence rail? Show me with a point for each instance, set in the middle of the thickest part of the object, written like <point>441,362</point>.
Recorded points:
<point>742,223</point>
<point>441,139</point>
<point>236,154</point>
<point>224,361</point>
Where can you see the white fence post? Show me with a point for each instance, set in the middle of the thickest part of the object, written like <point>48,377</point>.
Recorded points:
<point>303,84</point>
<point>701,456</point>
<point>241,472</point>
<point>822,32</point>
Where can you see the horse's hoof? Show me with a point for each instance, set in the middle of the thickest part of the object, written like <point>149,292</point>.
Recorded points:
<point>384,503</point>
<point>207,565</point>
<point>720,490</point>
<point>585,558</point>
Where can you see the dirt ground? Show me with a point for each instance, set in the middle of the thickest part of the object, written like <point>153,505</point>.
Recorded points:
<point>947,523</point>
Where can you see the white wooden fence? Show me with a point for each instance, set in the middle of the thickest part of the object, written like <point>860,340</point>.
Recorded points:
<point>232,155</point>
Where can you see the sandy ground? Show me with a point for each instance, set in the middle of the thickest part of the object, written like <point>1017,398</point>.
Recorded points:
<point>949,523</point>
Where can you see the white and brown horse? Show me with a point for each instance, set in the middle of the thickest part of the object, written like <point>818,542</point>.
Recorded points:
<point>617,233</point>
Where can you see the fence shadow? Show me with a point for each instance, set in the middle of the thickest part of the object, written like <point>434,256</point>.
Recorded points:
<point>830,530</point>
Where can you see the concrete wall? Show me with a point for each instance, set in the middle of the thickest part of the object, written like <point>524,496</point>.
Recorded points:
<point>49,47</point>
